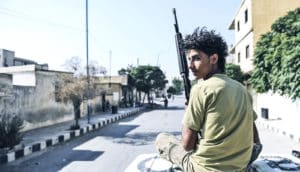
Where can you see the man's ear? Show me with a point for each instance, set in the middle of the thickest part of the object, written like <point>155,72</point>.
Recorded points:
<point>214,58</point>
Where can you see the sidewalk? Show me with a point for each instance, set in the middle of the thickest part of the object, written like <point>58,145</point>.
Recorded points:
<point>287,127</point>
<point>38,139</point>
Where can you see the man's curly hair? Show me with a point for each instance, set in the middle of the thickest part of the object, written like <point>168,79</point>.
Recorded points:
<point>209,42</point>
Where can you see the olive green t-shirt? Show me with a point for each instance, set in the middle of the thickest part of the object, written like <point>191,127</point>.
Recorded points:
<point>222,109</point>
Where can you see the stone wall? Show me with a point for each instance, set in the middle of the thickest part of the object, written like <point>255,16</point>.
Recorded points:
<point>37,105</point>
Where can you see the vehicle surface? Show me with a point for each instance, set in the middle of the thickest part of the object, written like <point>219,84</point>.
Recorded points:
<point>265,163</point>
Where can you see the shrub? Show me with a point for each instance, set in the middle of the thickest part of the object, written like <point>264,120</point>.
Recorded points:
<point>10,126</point>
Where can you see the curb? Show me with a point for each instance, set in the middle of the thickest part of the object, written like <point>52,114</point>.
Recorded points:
<point>278,130</point>
<point>63,137</point>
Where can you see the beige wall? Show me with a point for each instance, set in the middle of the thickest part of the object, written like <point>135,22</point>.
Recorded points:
<point>266,12</point>
<point>37,104</point>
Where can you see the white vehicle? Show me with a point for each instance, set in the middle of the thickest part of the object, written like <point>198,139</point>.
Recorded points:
<point>265,163</point>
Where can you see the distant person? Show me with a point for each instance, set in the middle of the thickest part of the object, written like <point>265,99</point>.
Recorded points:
<point>107,105</point>
<point>166,102</point>
<point>219,108</point>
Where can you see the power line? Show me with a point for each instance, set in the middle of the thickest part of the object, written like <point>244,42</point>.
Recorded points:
<point>17,14</point>
<point>21,15</point>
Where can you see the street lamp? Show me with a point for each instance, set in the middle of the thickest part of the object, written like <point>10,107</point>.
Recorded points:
<point>110,53</point>
<point>87,61</point>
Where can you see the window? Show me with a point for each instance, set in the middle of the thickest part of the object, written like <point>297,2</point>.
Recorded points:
<point>238,25</point>
<point>239,57</point>
<point>246,15</point>
<point>5,62</point>
<point>247,52</point>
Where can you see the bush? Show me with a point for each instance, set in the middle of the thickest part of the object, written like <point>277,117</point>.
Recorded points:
<point>276,58</point>
<point>234,72</point>
<point>10,126</point>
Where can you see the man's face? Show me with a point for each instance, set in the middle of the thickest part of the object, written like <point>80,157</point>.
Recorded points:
<point>199,63</point>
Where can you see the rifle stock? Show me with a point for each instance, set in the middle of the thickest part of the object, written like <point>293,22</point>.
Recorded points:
<point>183,67</point>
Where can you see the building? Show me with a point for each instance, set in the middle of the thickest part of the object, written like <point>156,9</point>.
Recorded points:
<point>254,18</point>
<point>113,89</point>
<point>30,93</point>
<point>7,58</point>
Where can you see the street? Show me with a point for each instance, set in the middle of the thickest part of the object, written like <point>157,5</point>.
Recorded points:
<point>115,146</point>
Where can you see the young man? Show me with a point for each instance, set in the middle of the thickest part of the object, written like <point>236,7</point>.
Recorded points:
<point>219,108</point>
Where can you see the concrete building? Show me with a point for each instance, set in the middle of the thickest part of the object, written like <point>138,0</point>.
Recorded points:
<point>31,94</point>
<point>113,89</point>
<point>29,90</point>
<point>254,18</point>
<point>7,58</point>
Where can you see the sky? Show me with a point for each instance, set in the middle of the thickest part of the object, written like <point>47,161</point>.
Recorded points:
<point>134,31</point>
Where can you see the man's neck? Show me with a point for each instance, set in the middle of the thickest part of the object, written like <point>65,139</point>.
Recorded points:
<point>212,73</point>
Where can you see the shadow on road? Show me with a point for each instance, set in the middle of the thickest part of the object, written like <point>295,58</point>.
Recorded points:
<point>172,108</point>
<point>141,138</point>
<point>118,131</point>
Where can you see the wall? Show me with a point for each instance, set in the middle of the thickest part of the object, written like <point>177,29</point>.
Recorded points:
<point>267,11</point>
<point>36,104</point>
<point>246,64</point>
<point>6,58</point>
<point>5,90</point>
<point>244,36</point>
<point>245,28</point>
<point>278,106</point>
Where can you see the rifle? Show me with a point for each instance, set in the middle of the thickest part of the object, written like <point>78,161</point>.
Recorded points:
<point>183,68</point>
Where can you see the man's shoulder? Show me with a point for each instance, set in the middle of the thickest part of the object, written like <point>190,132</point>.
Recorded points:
<point>217,80</point>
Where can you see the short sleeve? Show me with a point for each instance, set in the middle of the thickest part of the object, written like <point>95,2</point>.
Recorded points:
<point>195,112</point>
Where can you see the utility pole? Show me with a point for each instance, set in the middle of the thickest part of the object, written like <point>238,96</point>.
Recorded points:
<point>110,53</point>
<point>87,61</point>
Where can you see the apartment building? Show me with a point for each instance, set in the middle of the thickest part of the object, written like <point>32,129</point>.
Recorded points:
<point>254,18</point>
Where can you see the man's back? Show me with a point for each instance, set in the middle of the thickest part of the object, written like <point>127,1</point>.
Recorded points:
<point>222,109</point>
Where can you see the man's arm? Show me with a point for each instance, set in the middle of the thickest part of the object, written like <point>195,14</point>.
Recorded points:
<point>189,138</point>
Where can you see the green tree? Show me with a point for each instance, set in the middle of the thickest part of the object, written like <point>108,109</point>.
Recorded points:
<point>10,127</point>
<point>148,78</point>
<point>177,83</point>
<point>234,72</point>
<point>130,84</point>
<point>171,90</point>
<point>276,57</point>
